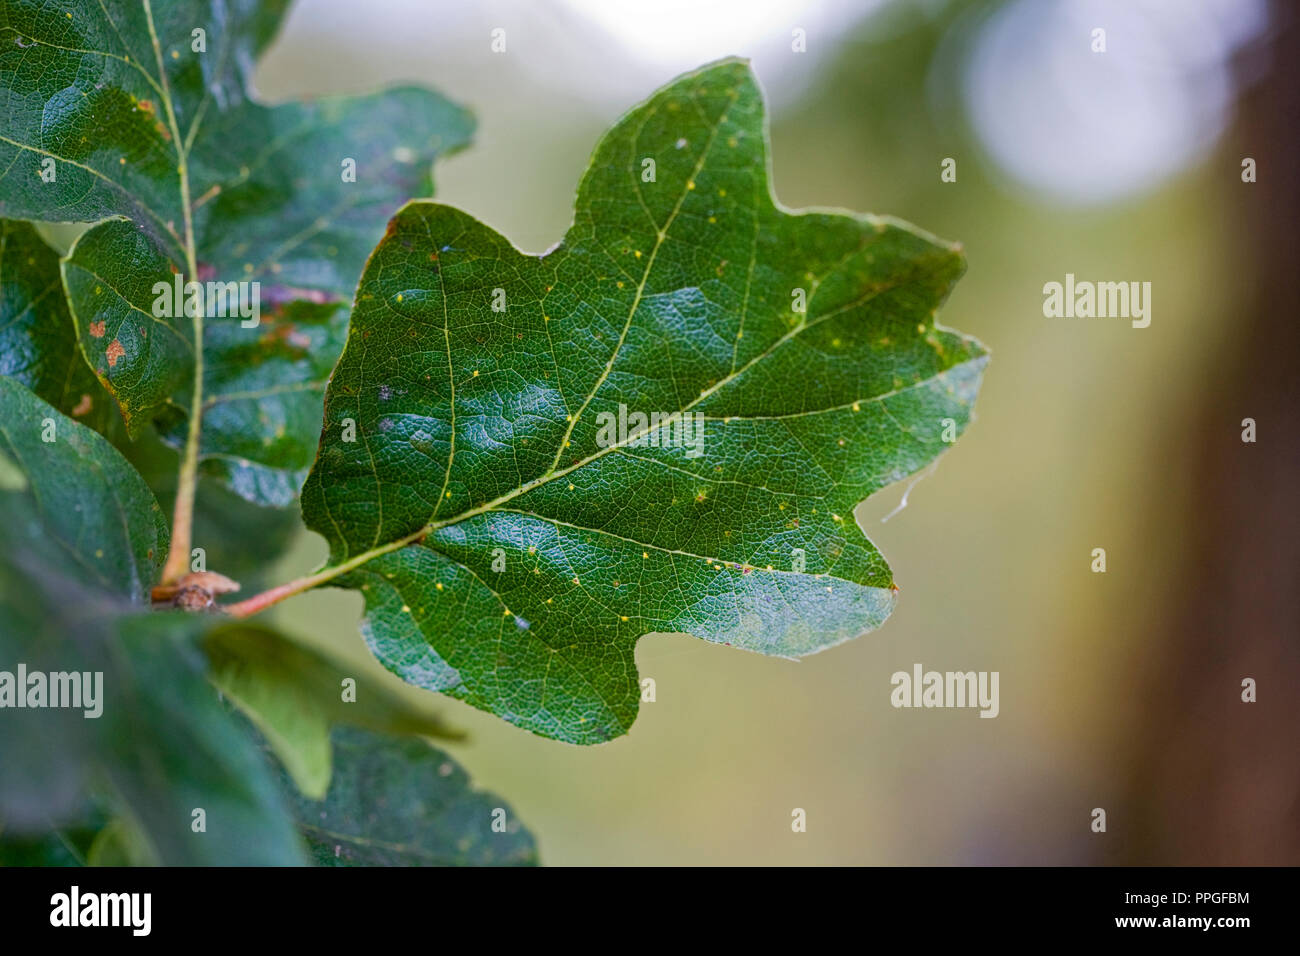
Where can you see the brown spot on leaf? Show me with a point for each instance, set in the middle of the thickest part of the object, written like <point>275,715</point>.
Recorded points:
<point>114,352</point>
<point>83,407</point>
<point>97,329</point>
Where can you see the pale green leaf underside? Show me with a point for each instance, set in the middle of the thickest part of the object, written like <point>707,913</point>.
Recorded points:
<point>478,432</point>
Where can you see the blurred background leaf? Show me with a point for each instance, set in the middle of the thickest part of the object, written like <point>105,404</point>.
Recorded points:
<point>144,725</point>
<point>403,802</point>
<point>294,695</point>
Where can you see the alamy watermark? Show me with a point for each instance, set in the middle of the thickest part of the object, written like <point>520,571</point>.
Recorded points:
<point>219,300</point>
<point>1101,300</point>
<point>130,910</point>
<point>655,430</point>
<point>923,688</point>
<point>59,689</point>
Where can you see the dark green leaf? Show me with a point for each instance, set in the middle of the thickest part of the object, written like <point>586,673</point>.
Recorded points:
<point>146,362</point>
<point>38,344</point>
<point>484,436</point>
<point>91,504</point>
<point>139,124</point>
<point>402,802</point>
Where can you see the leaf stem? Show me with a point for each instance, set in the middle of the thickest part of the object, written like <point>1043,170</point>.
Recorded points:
<point>260,602</point>
<point>178,558</point>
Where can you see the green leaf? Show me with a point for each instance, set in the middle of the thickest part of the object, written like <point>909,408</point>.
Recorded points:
<point>38,343</point>
<point>294,694</point>
<point>485,436</point>
<point>38,348</point>
<point>144,361</point>
<point>151,731</point>
<point>402,802</point>
<point>90,502</point>
<point>192,179</point>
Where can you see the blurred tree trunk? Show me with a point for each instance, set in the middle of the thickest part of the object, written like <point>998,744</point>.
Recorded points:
<point>1216,780</point>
